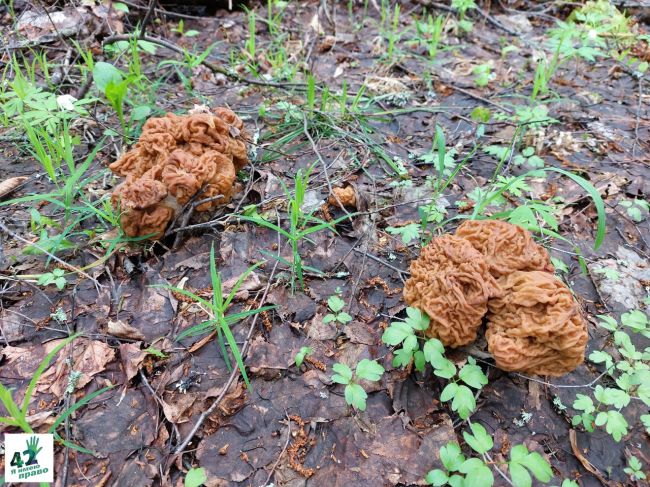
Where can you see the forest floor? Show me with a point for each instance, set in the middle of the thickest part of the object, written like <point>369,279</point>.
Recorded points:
<point>369,96</point>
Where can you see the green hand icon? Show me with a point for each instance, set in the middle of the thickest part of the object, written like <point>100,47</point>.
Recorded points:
<point>32,450</point>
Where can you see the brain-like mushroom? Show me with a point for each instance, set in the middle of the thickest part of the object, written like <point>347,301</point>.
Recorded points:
<point>506,247</point>
<point>345,196</point>
<point>451,283</point>
<point>175,158</point>
<point>536,326</point>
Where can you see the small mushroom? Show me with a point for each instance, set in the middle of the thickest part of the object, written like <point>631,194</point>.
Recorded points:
<point>536,327</point>
<point>346,196</point>
<point>506,247</point>
<point>451,283</point>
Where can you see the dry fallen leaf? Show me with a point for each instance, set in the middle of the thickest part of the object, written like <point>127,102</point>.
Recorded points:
<point>124,330</point>
<point>131,357</point>
<point>9,185</point>
<point>89,357</point>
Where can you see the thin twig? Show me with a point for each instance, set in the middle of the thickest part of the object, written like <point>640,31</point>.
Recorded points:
<point>286,444</point>
<point>4,228</point>
<point>638,117</point>
<point>563,386</point>
<point>147,18</point>
<point>163,11</point>
<point>505,477</point>
<point>383,262</point>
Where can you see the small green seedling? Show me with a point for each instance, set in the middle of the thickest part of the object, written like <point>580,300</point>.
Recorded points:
<point>56,277</point>
<point>366,369</point>
<point>461,471</point>
<point>636,209</point>
<point>195,477</point>
<point>336,304</point>
<point>408,232</point>
<point>409,333</point>
<point>633,469</point>
<point>302,353</point>
<point>482,74</point>
<point>529,158</point>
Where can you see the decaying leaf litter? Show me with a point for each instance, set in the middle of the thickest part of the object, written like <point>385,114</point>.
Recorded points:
<point>352,95</point>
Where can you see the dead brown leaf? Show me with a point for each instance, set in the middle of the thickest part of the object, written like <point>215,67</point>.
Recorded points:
<point>132,358</point>
<point>121,329</point>
<point>8,185</point>
<point>88,357</point>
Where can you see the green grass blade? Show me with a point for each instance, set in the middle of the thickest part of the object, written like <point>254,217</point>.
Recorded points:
<point>263,223</point>
<point>595,196</point>
<point>235,351</point>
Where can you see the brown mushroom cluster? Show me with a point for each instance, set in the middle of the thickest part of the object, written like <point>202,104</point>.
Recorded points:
<point>536,326</point>
<point>451,283</point>
<point>505,247</point>
<point>495,269</point>
<point>176,157</point>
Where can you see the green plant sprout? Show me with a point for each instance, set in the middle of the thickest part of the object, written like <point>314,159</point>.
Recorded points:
<point>302,353</point>
<point>407,232</point>
<point>56,277</point>
<point>634,469</point>
<point>636,209</point>
<point>336,305</point>
<point>629,371</point>
<point>219,319</point>
<point>460,471</point>
<point>18,415</point>
<point>180,30</point>
<point>299,228</point>
<point>482,74</point>
<point>115,84</point>
<point>409,333</point>
<point>195,477</point>
<point>462,6</point>
<point>366,369</point>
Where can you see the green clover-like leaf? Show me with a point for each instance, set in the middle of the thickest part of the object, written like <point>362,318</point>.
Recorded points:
<point>443,367</point>
<point>356,396</point>
<point>335,303</point>
<point>396,333</point>
<point>402,357</point>
<point>433,350</point>
<point>417,319</point>
<point>343,373</point>
<point>480,441</point>
<point>584,403</point>
<point>472,375</point>
<point>436,477</point>
<point>477,474</point>
<point>369,370</point>
<point>451,457</point>
<point>343,318</point>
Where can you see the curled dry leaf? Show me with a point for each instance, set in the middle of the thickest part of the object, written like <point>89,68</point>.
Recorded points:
<point>9,185</point>
<point>121,329</point>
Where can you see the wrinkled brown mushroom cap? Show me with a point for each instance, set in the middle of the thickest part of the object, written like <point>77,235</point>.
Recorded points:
<point>142,193</point>
<point>150,221</point>
<point>536,326</point>
<point>506,247</point>
<point>176,156</point>
<point>346,196</point>
<point>451,283</point>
